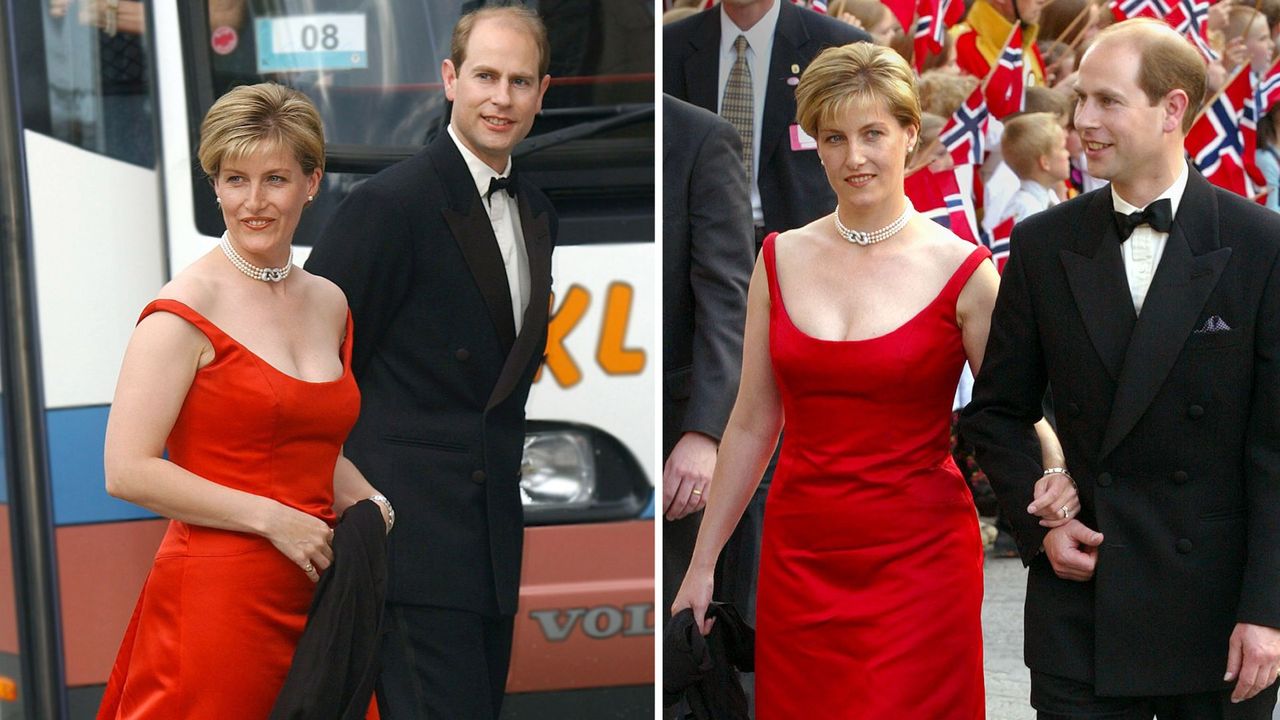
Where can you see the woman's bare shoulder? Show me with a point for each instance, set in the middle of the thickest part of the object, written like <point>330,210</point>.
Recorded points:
<point>194,286</point>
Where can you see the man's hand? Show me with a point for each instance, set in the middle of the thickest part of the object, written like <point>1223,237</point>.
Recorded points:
<point>1073,550</point>
<point>1253,655</point>
<point>686,476</point>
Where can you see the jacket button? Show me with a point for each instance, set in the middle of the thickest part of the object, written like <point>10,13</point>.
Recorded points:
<point>1074,409</point>
<point>477,477</point>
<point>463,354</point>
<point>1195,412</point>
<point>1183,545</point>
<point>1180,476</point>
<point>1104,479</point>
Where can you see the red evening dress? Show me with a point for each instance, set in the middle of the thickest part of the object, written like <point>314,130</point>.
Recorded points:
<point>213,633</point>
<point>870,596</point>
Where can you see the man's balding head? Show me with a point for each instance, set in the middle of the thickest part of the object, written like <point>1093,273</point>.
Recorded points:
<point>1166,61</point>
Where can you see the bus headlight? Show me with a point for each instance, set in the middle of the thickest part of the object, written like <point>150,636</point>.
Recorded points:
<point>578,473</point>
<point>557,469</point>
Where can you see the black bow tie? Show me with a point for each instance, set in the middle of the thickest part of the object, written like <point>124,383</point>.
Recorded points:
<point>499,184</point>
<point>1159,215</point>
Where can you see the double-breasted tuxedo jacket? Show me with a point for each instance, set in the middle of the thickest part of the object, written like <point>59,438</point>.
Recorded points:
<point>1170,422</point>
<point>793,187</point>
<point>443,375</point>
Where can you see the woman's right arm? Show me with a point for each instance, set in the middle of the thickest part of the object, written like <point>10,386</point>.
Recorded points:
<point>748,441</point>
<point>159,366</point>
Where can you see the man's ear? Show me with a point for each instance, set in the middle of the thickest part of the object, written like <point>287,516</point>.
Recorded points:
<point>449,74</point>
<point>1176,105</point>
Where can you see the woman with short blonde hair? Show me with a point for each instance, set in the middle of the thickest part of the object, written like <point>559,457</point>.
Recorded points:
<point>858,325</point>
<point>233,402</point>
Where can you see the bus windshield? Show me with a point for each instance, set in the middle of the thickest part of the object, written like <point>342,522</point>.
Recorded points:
<point>372,67</point>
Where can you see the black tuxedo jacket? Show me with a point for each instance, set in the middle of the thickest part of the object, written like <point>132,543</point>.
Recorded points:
<point>707,256</point>
<point>443,376</point>
<point>793,187</point>
<point>1171,426</point>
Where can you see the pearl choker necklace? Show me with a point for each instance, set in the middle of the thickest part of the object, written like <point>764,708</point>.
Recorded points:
<point>253,271</point>
<point>875,236</point>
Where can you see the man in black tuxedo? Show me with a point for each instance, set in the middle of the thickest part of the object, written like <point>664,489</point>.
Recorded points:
<point>788,187</point>
<point>707,258</point>
<point>1151,310</point>
<point>446,262</point>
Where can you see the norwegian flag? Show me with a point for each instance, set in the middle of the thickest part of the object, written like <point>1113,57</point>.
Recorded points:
<point>937,196</point>
<point>1216,142</point>
<point>1267,92</point>
<point>933,17</point>
<point>1005,89</point>
<point>818,6</point>
<point>1125,9</point>
<point>1189,17</point>
<point>998,243</point>
<point>964,135</point>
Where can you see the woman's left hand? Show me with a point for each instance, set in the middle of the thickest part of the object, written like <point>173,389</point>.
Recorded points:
<point>1056,500</point>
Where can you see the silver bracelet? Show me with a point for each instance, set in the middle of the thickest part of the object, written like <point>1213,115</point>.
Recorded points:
<point>1059,470</point>
<point>386,504</point>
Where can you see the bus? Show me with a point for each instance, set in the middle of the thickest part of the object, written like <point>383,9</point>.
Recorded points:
<point>108,100</point>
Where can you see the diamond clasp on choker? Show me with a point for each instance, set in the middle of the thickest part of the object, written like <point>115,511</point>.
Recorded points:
<point>875,236</point>
<point>253,271</point>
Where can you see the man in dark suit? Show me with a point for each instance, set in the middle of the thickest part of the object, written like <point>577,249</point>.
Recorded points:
<point>704,63</point>
<point>707,257</point>
<point>788,187</point>
<point>1151,310</point>
<point>446,262</point>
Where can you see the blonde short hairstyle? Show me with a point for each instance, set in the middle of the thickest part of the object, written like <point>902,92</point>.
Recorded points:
<point>250,118</point>
<point>1240,18</point>
<point>1166,62</point>
<point>943,92</point>
<point>840,77</point>
<point>1029,137</point>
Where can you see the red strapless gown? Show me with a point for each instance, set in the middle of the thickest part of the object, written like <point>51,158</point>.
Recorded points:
<point>870,595</point>
<point>214,631</point>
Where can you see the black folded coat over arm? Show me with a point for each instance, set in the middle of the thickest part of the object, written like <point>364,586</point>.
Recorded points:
<point>702,669</point>
<point>335,664</point>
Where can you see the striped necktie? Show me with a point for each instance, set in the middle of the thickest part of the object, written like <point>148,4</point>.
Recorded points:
<point>738,106</point>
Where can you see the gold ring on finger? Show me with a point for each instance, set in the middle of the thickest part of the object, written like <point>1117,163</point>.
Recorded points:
<point>697,491</point>
<point>309,568</point>
<point>1066,512</point>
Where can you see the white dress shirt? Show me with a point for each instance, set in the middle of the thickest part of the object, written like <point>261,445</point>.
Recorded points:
<point>504,216</point>
<point>759,53</point>
<point>1143,249</point>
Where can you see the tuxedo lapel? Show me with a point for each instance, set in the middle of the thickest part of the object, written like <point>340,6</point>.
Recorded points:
<point>1188,271</point>
<point>789,38</point>
<point>1095,272</point>
<point>471,228</point>
<point>537,243</point>
<point>702,67</point>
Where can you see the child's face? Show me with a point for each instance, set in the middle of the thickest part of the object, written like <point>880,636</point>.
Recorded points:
<point>1057,164</point>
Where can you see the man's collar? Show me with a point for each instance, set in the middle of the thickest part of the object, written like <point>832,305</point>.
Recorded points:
<point>481,173</point>
<point>1174,192</point>
<point>759,36</point>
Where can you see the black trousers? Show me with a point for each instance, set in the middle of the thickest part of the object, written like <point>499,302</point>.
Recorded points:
<point>441,663</point>
<point>1057,698</point>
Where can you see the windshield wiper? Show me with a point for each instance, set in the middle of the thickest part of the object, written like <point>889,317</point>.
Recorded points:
<point>619,116</point>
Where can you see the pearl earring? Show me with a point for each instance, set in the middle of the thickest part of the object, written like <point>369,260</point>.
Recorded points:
<point>218,200</point>
<point>310,198</point>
